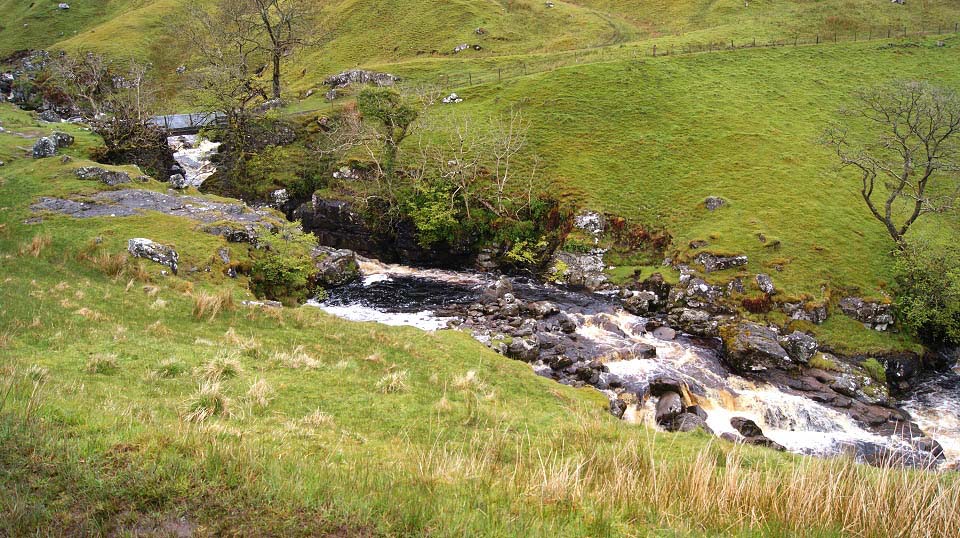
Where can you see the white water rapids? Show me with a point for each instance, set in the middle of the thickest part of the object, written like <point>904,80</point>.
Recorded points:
<point>193,154</point>
<point>398,295</point>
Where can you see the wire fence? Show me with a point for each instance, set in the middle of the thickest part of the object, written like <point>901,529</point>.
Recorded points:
<point>507,69</point>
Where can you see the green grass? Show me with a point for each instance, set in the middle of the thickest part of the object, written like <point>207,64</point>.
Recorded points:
<point>355,428</point>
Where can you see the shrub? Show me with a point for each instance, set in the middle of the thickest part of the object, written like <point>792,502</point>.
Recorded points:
<point>283,266</point>
<point>928,293</point>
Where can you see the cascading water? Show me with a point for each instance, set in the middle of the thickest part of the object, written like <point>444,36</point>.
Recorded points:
<point>194,154</point>
<point>397,295</point>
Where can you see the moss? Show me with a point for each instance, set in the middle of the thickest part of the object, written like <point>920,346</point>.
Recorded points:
<point>875,369</point>
<point>823,362</point>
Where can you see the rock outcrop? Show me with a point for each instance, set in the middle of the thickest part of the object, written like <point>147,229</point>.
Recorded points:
<point>148,249</point>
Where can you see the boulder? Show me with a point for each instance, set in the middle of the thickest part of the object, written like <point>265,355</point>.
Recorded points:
<point>765,283</point>
<point>750,347</point>
<point>162,254</point>
<point>179,181</point>
<point>687,422</point>
<point>44,148</point>
<point>102,175</point>
<point>874,315</point>
<point>656,285</point>
<point>334,267</point>
<point>695,322</point>
<point>746,427</point>
<point>524,349</point>
<point>49,116</point>
<point>618,407</point>
<point>497,290</point>
<point>801,347</point>
<point>359,76</point>
<point>669,406</point>
<point>642,303</point>
<point>62,140</point>
<point>542,309</point>
<point>664,333</point>
<point>567,323</point>
<point>714,262</point>
<point>713,203</point>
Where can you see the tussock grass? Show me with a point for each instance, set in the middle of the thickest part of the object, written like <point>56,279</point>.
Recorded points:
<point>104,364</point>
<point>224,366</point>
<point>248,345</point>
<point>157,328</point>
<point>37,373</point>
<point>111,264</point>
<point>91,315</point>
<point>296,359</point>
<point>318,419</point>
<point>209,401</point>
<point>168,369</point>
<point>35,246</point>
<point>393,382</point>
<point>261,393</point>
<point>208,305</point>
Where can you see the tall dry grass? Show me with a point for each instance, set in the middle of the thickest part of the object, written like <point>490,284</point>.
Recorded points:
<point>716,487</point>
<point>209,305</point>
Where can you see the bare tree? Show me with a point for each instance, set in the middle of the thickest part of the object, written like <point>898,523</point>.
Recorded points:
<point>908,163</point>
<point>228,44</point>
<point>286,24</point>
<point>85,76</point>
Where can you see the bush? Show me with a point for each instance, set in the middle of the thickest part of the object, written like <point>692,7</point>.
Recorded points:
<point>928,293</point>
<point>876,370</point>
<point>283,266</point>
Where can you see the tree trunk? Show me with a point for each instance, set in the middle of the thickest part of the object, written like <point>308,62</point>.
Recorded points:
<point>276,76</point>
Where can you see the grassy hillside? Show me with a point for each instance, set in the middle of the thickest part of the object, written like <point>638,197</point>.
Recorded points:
<point>651,139</point>
<point>323,427</point>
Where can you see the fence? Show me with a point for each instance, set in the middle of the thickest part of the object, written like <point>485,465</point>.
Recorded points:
<point>508,69</point>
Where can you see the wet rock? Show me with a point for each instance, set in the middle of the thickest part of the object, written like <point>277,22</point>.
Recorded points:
<point>107,177</point>
<point>656,285</point>
<point>695,322</point>
<point>44,148</point>
<point>753,435</point>
<point>686,422</point>
<point>877,316</point>
<point>642,303</point>
<point>765,283</point>
<point>696,293</point>
<point>49,116</point>
<point>750,347</point>
<point>542,309</point>
<point>334,267</point>
<point>162,254</point>
<point>664,333</point>
<point>669,406</point>
<point>662,385</point>
<point>801,347</point>
<point>618,407</point>
<point>524,349</point>
<point>714,262</point>
<point>567,323</point>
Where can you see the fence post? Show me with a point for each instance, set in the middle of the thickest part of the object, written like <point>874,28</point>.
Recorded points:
<point>470,79</point>
<point>754,42</point>
<point>818,39</point>
<point>654,50</point>
<point>499,74</point>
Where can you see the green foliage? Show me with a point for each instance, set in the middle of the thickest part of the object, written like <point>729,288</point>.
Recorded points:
<point>876,370</point>
<point>434,213</point>
<point>822,362</point>
<point>558,272</point>
<point>290,167</point>
<point>928,292</point>
<point>283,266</point>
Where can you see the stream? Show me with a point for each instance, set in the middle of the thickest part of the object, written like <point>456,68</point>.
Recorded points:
<point>424,298</point>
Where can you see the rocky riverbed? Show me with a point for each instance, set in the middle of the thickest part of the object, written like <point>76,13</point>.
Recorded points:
<point>753,385</point>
